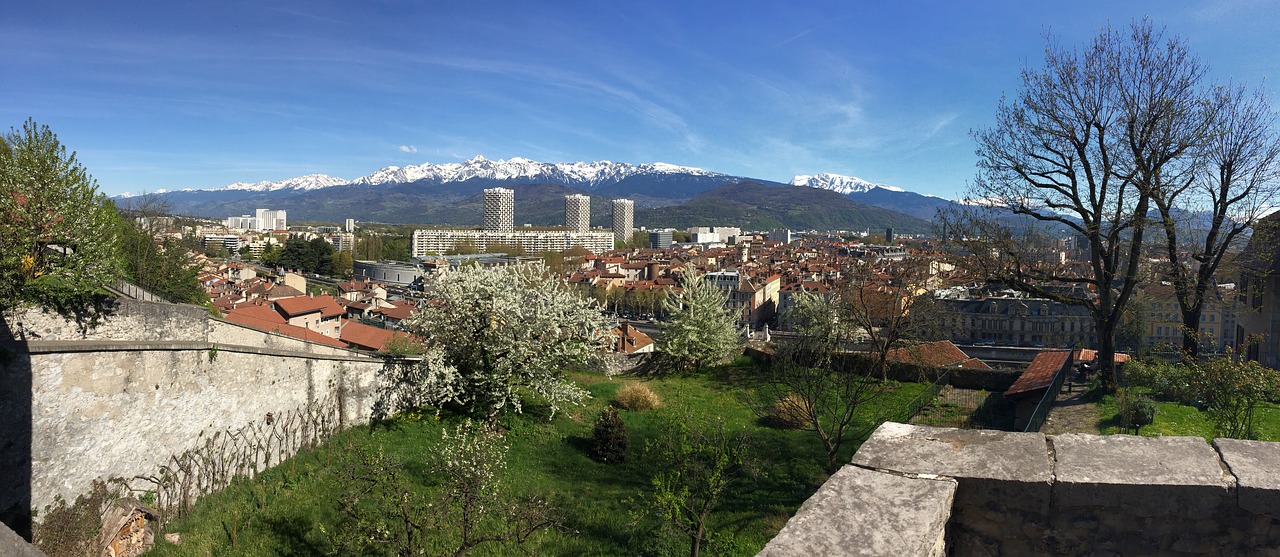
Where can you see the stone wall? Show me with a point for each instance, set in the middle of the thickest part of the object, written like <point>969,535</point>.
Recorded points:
<point>1031,494</point>
<point>164,396</point>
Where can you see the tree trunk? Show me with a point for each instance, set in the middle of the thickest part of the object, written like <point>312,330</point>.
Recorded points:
<point>1107,355</point>
<point>1191,335</point>
<point>696,547</point>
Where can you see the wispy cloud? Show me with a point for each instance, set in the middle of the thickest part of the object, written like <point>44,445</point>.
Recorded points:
<point>408,149</point>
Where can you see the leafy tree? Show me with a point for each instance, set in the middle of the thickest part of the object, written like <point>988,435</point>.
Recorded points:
<point>270,255</point>
<point>1231,388</point>
<point>59,237</point>
<point>297,255</point>
<point>1079,149</point>
<point>321,251</point>
<point>496,334</point>
<point>159,265</point>
<point>386,513</point>
<point>343,264</point>
<point>701,330</point>
<point>694,462</point>
<point>396,248</point>
<point>808,381</point>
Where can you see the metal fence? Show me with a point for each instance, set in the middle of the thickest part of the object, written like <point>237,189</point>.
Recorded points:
<point>131,290</point>
<point>904,413</point>
<point>1046,402</point>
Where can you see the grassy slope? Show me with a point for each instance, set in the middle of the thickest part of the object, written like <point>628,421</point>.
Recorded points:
<point>1177,419</point>
<point>547,457</point>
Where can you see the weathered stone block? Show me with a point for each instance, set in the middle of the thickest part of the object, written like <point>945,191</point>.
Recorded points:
<point>994,468</point>
<point>864,512</point>
<point>1141,476</point>
<point>1254,464</point>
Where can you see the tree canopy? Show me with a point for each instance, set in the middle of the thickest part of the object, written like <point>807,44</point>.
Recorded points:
<point>58,236</point>
<point>495,335</point>
<point>702,330</point>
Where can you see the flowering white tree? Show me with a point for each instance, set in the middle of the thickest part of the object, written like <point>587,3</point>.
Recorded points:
<point>702,330</point>
<point>496,334</point>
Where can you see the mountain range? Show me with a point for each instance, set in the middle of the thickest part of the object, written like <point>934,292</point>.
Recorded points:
<point>665,195</point>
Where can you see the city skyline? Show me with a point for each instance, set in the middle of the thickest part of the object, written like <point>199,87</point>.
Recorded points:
<point>203,96</point>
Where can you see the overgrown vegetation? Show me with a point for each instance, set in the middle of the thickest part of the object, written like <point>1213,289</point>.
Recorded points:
<point>294,508</point>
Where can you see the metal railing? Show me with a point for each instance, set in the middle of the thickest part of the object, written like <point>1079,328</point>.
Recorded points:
<point>1046,402</point>
<point>131,290</point>
<point>904,413</point>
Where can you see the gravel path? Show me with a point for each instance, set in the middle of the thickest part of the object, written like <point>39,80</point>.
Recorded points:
<point>1070,413</point>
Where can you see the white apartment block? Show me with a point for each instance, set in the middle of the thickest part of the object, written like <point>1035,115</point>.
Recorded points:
<point>577,212</point>
<point>533,241</point>
<point>262,220</point>
<point>350,226</point>
<point>499,209</point>
<point>623,215</point>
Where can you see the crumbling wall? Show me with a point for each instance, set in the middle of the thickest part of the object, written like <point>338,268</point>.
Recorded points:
<point>1068,495</point>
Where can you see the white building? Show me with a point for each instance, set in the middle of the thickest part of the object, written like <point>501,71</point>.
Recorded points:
<point>351,226</point>
<point>532,241</point>
<point>499,209</point>
<point>623,215</point>
<point>577,212</point>
<point>262,220</point>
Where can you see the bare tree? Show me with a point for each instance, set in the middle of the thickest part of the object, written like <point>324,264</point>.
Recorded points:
<point>877,301</point>
<point>811,380</point>
<point>1233,185</point>
<point>1079,150</point>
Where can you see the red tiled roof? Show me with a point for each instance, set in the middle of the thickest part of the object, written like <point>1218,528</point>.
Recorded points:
<point>284,329</point>
<point>1039,375</point>
<point>398,313</point>
<point>359,335</point>
<point>302,305</point>
<point>937,354</point>
<point>261,313</point>
<point>1090,355</point>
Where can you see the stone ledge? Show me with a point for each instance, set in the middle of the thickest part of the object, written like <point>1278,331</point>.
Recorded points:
<point>1143,476</point>
<point>1012,468</point>
<point>864,512</point>
<point>68,346</point>
<point>1256,467</point>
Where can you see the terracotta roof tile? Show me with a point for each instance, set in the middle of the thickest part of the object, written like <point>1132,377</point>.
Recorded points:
<point>1039,375</point>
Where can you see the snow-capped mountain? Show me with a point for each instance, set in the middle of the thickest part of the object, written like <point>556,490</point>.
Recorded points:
<point>840,184</point>
<point>308,182</point>
<point>586,175</point>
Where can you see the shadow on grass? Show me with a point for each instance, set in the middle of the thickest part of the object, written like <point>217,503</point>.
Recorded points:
<point>292,533</point>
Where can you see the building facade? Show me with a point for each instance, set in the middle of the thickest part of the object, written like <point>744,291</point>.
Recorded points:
<point>623,219</point>
<point>660,239</point>
<point>499,209</point>
<point>427,242</point>
<point>577,212</point>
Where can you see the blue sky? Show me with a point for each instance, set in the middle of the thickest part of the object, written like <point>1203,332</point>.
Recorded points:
<point>179,94</point>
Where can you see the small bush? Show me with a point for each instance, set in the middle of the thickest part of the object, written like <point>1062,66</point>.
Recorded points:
<point>637,397</point>
<point>611,439</point>
<point>1134,410</point>
<point>792,412</point>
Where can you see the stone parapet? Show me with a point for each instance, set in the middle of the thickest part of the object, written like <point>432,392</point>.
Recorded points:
<point>895,515</point>
<point>1030,494</point>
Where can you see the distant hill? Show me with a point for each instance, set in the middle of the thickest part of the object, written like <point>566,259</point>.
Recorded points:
<point>756,206</point>
<point>450,195</point>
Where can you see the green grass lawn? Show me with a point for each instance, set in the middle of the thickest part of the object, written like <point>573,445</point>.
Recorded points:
<point>1177,419</point>
<point>288,509</point>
